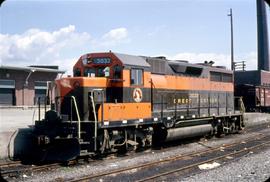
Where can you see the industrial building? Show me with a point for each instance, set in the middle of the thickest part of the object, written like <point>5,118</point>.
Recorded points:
<point>22,86</point>
<point>254,85</point>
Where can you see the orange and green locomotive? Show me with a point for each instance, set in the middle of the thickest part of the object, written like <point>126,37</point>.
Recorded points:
<point>116,102</point>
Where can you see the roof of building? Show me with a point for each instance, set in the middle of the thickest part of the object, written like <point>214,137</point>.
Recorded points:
<point>31,69</point>
<point>132,60</point>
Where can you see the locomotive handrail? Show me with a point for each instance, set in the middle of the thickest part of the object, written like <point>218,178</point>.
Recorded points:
<point>73,100</point>
<point>38,101</point>
<point>94,111</point>
<point>241,104</point>
<point>78,116</point>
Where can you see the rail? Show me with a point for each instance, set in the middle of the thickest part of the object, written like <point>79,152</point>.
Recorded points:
<point>19,168</point>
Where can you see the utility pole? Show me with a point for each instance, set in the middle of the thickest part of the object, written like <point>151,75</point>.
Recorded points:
<point>231,20</point>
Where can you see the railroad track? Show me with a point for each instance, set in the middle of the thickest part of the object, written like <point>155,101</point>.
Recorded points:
<point>15,169</point>
<point>245,150</point>
<point>125,172</point>
<point>21,169</point>
<point>9,164</point>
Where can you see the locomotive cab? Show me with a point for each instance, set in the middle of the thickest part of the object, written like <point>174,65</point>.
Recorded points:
<point>124,81</point>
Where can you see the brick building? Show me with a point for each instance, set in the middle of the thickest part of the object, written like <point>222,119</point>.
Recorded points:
<point>21,86</point>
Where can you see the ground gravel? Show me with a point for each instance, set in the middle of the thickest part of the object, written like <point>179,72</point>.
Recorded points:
<point>253,167</point>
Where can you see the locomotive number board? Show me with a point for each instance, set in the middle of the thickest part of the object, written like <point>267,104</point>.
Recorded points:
<point>101,61</point>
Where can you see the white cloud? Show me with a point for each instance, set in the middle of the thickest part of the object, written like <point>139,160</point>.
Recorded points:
<point>219,59</point>
<point>114,37</point>
<point>39,47</point>
<point>116,34</point>
<point>61,47</point>
<point>66,64</point>
<point>251,60</point>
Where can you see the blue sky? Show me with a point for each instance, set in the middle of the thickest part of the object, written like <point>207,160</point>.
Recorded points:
<point>58,32</point>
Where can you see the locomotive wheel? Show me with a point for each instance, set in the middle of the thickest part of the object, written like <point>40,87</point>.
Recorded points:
<point>219,131</point>
<point>122,150</point>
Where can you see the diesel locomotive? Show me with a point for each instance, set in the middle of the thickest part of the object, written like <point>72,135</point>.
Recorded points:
<point>118,102</point>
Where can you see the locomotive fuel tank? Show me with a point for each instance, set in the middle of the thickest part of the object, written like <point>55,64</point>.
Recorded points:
<point>188,132</point>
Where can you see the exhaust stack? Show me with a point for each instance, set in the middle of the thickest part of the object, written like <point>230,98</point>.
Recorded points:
<point>262,32</point>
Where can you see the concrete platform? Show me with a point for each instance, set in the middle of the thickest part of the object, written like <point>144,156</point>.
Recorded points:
<point>253,119</point>
<point>20,118</point>
<point>13,118</point>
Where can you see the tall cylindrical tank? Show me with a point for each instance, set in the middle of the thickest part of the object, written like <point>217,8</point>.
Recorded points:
<point>263,47</point>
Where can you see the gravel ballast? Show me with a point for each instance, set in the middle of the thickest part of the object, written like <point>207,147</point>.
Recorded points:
<point>253,167</point>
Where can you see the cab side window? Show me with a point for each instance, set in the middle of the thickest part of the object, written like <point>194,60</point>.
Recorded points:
<point>136,77</point>
<point>117,72</point>
<point>77,72</point>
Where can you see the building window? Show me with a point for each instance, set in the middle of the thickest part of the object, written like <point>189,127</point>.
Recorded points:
<point>41,90</point>
<point>136,77</point>
<point>7,92</point>
<point>7,84</point>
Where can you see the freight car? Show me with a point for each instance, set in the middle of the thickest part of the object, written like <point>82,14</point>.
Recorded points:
<point>254,87</point>
<point>115,102</point>
<point>255,98</point>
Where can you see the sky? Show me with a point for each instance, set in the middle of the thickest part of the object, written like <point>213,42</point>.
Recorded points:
<point>58,32</point>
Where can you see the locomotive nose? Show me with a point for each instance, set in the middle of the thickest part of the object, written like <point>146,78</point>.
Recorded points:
<point>59,150</point>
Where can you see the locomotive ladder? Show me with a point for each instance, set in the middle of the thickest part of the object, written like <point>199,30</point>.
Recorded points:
<point>81,139</point>
<point>88,138</point>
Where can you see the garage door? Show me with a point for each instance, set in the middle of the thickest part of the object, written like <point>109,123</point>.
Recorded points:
<point>40,91</point>
<point>7,92</point>
<point>40,94</point>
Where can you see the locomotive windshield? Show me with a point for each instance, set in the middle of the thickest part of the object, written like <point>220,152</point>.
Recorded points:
<point>98,67</point>
<point>97,72</point>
